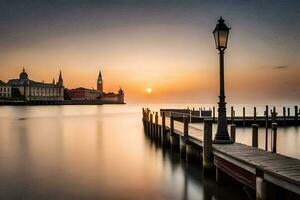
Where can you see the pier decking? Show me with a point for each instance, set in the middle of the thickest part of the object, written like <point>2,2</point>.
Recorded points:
<point>260,170</point>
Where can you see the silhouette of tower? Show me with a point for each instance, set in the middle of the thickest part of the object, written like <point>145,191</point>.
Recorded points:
<point>100,83</point>
<point>60,81</point>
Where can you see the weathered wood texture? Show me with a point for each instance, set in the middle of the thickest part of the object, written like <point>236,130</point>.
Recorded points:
<point>277,169</point>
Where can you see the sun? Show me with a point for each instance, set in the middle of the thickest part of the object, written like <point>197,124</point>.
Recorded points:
<point>149,90</point>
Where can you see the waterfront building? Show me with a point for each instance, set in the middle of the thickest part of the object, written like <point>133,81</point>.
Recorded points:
<point>5,90</point>
<point>99,94</point>
<point>112,97</point>
<point>29,90</point>
<point>83,94</point>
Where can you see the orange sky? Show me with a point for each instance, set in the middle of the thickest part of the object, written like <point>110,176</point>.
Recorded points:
<point>168,48</point>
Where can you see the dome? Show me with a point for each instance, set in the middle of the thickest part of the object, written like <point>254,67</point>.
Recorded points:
<point>23,75</point>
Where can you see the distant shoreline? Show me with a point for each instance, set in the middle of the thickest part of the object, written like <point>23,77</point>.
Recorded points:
<point>51,102</point>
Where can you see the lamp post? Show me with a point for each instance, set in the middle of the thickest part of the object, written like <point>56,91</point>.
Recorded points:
<point>221,33</point>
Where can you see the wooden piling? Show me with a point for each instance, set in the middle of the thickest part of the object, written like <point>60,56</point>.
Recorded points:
<point>254,135</point>
<point>156,126</point>
<point>185,129</point>
<point>232,132</point>
<point>171,125</point>
<point>296,115</point>
<point>184,139</point>
<point>232,114</point>
<point>284,116</point>
<point>289,112</point>
<point>214,114</point>
<point>244,116</point>
<point>261,187</point>
<point>207,147</point>
<point>267,126</point>
<point>151,125</point>
<point>254,114</point>
<point>274,136</point>
<point>163,129</point>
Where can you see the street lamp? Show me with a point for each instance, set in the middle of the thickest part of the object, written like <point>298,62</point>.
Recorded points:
<point>221,33</point>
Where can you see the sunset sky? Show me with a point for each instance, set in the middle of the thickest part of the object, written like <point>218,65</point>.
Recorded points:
<point>166,45</point>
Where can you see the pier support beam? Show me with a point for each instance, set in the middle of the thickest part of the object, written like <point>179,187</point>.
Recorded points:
<point>267,126</point>
<point>232,132</point>
<point>164,134</point>
<point>207,160</point>
<point>296,115</point>
<point>284,116</point>
<point>254,114</point>
<point>156,126</point>
<point>232,114</point>
<point>274,136</point>
<point>255,135</point>
<point>261,188</point>
<point>244,115</point>
<point>184,139</point>
<point>151,125</point>
<point>214,114</point>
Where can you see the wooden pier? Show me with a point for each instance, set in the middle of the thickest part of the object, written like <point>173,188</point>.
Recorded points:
<point>269,117</point>
<point>271,175</point>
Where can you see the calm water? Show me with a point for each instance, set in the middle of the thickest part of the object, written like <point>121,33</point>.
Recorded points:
<point>97,152</point>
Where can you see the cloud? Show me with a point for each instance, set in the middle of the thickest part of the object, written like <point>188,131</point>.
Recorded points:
<point>279,67</point>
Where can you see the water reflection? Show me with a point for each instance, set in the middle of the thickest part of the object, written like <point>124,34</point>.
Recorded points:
<point>191,183</point>
<point>93,152</point>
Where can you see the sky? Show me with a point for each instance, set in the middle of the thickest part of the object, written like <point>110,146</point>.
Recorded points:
<point>165,45</point>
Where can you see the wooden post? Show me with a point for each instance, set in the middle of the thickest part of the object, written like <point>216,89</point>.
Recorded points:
<point>232,132</point>
<point>274,114</point>
<point>156,126</point>
<point>254,135</point>
<point>261,186</point>
<point>231,114</point>
<point>254,114</point>
<point>207,147</point>
<point>214,114</point>
<point>163,127</point>
<point>274,141</point>
<point>289,112</point>
<point>244,115</point>
<point>184,139</point>
<point>267,126</point>
<point>284,117</point>
<point>148,121</point>
<point>185,129</point>
<point>171,125</point>
<point>151,125</point>
<point>296,115</point>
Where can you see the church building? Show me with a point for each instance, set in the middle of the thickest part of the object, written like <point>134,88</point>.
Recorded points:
<point>30,90</point>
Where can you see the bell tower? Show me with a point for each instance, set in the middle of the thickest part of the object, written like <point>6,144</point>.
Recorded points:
<point>100,83</point>
<point>60,81</point>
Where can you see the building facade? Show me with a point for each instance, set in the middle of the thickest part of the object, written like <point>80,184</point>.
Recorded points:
<point>30,90</point>
<point>112,97</point>
<point>99,94</point>
<point>83,94</point>
<point>5,90</point>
